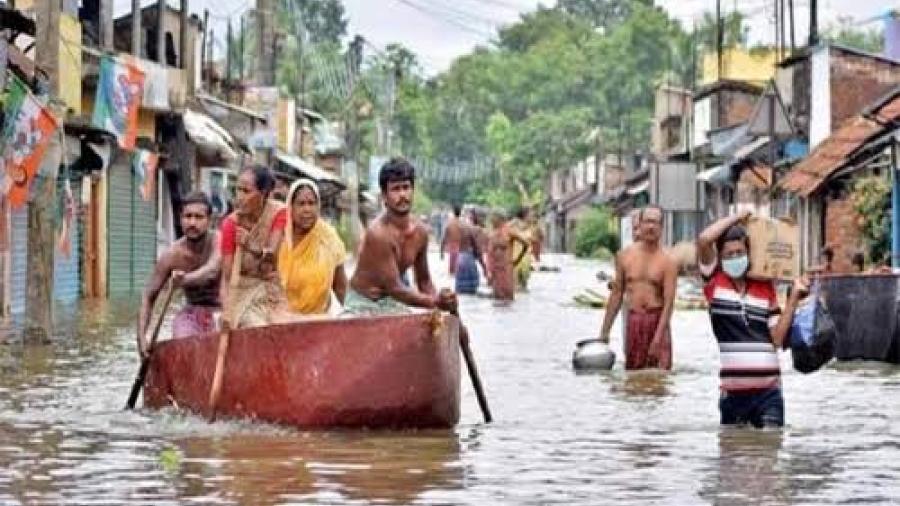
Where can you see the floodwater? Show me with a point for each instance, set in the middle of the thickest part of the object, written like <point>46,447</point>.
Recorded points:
<point>558,438</point>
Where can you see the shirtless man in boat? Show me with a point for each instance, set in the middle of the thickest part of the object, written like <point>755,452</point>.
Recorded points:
<point>192,264</point>
<point>646,278</point>
<point>394,242</point>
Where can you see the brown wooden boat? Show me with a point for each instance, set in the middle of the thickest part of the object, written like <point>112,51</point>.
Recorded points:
<point>376,372</point>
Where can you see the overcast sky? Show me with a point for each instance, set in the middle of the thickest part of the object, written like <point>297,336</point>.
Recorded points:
<point>440,30</point>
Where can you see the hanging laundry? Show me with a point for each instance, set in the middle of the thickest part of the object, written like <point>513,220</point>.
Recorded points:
<point>144,164</point>
<point>25,136</point>
<point>119,94</point>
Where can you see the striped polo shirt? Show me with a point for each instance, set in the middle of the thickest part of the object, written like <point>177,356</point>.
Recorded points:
<point>742,324</point>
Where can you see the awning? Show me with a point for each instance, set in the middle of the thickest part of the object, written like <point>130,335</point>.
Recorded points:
<point>306,169</point>
<point>750,148</point>
<point>716,176</point>
<point>725,141</point>
<point>207,134</point>
<point>639,188</point>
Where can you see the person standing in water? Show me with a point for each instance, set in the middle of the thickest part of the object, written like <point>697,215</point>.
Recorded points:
<point>646,279</point>
<point>471,255</point>
<point>748,325</point>
<point>500,245</point>
<point>450,241</point>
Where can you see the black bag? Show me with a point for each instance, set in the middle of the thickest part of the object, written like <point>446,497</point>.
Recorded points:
<point>811,351</point>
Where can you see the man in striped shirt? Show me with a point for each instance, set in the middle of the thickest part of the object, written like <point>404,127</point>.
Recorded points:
<point>748,325</point>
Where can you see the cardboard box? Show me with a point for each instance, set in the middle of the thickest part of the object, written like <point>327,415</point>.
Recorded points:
<point>774,249</point>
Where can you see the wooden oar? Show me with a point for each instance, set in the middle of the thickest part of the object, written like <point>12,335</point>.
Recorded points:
<point>473,369</point>
<point>145,362</point>
<point>216,389</point>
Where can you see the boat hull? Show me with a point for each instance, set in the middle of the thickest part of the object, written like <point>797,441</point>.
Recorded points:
<point>379,372</point>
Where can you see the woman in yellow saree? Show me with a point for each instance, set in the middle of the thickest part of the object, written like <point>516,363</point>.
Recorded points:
<point>311,258</point>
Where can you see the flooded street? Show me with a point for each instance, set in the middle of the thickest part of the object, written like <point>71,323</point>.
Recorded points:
<point>558,437</point>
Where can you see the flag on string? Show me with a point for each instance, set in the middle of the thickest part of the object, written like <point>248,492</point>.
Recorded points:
<point>144,164</point>
<point>25,136</point>
<point>119,93</point>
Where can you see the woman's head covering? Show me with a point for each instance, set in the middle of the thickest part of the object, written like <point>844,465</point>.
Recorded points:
<point>295,187</point>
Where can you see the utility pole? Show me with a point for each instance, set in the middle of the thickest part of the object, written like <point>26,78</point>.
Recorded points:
<point>106,25</point>
<point>813,23</point>
<point>777,31</point>
<point>136,28</point>
<point>241,56</point>
<point>793,40</point>
<point>161,32</point>
<point>720,40</point>
<point>352,141</point>
<point>42,205</point>
<point>228,49</point>
<point>783,29</point>
<point>265,42</point>
<point>211,58</point>
<point>203,59</point>
<point>301,93</point>
<point>182,42</point>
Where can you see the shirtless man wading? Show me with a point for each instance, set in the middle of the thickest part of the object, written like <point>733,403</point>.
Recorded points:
<point>647,278</point>
<point>452,240</point>
<point>192,263</point>
<point>394,242</point>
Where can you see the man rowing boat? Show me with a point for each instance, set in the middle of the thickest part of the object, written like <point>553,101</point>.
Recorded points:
<point>394,242</point>
<point>192,263</point>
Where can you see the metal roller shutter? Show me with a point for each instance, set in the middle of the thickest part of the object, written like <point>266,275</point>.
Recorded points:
<point>18,241</point>
<point>119,222</point>
<point>66,270</point>
<point>131,226</point>
<point>143,237</point>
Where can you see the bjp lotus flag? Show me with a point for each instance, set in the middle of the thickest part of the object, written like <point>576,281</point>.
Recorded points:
<point>25,136</point>
<point>119,93</point>
<point>144,164</point>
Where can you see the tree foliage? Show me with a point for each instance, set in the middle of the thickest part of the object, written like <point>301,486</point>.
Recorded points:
<point>871,202</point>
<point>846,32</point>
<point>551,89</point>
<point>596,234</point>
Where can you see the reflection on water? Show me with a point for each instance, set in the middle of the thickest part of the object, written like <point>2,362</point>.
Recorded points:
<point>559,437</point>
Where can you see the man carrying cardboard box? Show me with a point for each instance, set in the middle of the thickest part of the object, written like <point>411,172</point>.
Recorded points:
<point>747,322</point>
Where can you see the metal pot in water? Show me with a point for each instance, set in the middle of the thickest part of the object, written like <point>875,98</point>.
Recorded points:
<point>593,354</point>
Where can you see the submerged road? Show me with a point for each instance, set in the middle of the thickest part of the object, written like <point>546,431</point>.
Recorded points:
<point>558,438</point>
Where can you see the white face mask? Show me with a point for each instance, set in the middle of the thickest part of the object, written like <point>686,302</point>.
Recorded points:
<point>736,267</point>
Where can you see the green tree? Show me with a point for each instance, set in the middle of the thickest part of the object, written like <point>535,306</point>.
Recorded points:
<point>549,91</point>
<point>846,32</point>
<point>605,14</point>
<point>596,234</point>
<point>734,34</point>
